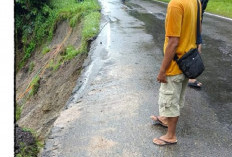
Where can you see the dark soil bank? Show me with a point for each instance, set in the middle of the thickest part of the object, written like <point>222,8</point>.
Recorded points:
<point>25,142</point>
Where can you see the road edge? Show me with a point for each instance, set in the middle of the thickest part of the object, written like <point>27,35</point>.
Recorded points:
<point>207,13</point>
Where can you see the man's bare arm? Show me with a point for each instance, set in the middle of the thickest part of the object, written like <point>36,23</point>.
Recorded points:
<point>199,46</point>
<point>168,57</point>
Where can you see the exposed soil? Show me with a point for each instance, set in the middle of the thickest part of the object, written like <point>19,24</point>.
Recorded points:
<point>55,86</point>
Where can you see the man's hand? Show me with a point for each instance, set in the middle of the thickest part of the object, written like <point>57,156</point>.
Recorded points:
<point>168,57</point>
<point>199,48</point>
<point>161,78</point>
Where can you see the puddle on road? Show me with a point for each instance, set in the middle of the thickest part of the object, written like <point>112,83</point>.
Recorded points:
<point>154,25</point>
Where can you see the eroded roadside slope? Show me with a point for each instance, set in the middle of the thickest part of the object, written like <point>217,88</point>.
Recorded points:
<point>55,86</point>
<point>51,43</point>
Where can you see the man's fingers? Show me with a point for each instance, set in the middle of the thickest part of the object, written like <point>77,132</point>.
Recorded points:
<point>161,80</point>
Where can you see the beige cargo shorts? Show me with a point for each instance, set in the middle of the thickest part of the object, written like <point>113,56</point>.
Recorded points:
<point>172,95</point>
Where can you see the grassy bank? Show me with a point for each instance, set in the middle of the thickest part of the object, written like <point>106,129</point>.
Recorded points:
<point>35,26</point>
<point>40,23</point>
<point>220,7</point>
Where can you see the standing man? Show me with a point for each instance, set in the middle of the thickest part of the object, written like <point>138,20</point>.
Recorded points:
<point>180,37</point>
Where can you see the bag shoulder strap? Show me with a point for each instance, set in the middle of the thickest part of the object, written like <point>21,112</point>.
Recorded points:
<point>198,23</point>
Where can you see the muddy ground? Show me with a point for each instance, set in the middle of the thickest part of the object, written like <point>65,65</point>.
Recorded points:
<point>55,86</point>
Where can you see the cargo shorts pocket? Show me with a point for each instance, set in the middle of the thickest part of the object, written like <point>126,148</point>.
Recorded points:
<point>178,78</point>
<point>165,98</point>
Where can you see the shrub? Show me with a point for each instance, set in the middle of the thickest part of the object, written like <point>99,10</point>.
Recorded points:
<point>35,21</point>
<point>45,50</point>
<point>34,85</point>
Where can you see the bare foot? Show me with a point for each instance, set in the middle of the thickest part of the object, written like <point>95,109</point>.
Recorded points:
<point>164,140</point>
<point>160,120</point>
<point>194,83</point>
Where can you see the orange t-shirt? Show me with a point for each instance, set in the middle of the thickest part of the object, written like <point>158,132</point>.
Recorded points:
<point>181,21</point>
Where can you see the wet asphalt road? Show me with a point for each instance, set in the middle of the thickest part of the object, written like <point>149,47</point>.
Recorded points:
<point>108,114</point>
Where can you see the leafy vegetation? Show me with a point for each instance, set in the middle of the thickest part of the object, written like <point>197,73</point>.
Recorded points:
<point>70,52</point>
<point>220,7</point>
<point>54,64</point>
<point>29,149</point>
<point>31,19</point>
<point>34,86</point>
<point>18,112</point>
<point>35,21</point>
<point>45,50</point>
<point>31,66</point>
<point>91,28</point>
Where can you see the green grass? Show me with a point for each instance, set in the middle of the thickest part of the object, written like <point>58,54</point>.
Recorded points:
<point>164,0</point>
<point>45,50</point>
<point>31,66</point>
<point>70,52</point>
<point>220,7</point>
<point>88,14</point>
<point>35,86</point>
<point>18,112</point>
<point>54,65</point>
<point>31,150</point>
<point>27,151</point>
<point>91,26</point>
<point>46,22</point>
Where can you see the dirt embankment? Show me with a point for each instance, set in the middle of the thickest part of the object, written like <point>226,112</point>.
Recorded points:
<point>40,110</point>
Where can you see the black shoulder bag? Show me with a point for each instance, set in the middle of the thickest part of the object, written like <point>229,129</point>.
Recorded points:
<point>191,63</point>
